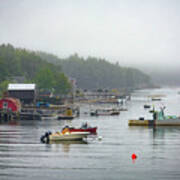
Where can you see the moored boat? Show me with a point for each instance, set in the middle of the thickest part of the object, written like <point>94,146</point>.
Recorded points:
<point>159,119</point>
<point>146,106</point>
<point>156,99</point>
<point>105,112</point>
<point>84,128</point>
<point>67,115</point>
<point>64,135</point>
<point>150,122</point>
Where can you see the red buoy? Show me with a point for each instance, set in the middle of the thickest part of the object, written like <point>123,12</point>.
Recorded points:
<point>133,156</point>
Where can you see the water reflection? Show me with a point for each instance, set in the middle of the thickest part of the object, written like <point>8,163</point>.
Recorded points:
<point>162,131</point>
<point>10,122</point>
<point>66,145</point>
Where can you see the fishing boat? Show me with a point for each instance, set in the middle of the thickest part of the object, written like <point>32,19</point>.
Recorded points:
<point>104,112</point>
<point>159,119</point>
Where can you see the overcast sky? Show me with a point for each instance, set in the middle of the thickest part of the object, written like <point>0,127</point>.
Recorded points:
<point>128,31</point>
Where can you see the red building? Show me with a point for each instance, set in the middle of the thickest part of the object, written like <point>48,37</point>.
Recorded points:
<point>11,104</point>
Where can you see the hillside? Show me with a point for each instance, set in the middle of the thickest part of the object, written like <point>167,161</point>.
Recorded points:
<point>94,73</point>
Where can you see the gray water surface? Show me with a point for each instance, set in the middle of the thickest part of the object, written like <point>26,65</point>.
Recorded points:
<point>23,156</point>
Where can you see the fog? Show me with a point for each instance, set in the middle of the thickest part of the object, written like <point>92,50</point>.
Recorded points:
<point>140,33</point>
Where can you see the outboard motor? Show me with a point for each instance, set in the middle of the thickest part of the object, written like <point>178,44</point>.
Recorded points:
<point>45,137</point>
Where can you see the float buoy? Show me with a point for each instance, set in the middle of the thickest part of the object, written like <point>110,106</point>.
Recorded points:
<point>99,138</point>
<point>133,156</point>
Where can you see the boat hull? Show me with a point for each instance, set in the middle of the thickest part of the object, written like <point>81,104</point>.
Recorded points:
<point>47,117</point>
<point>90,130</point>
<point>65,117</point>
<point>104,113</point>
<point>168,122</point>
<point>68,137</point>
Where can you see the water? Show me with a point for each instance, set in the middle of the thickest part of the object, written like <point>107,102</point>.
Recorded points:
<point>23,156</point>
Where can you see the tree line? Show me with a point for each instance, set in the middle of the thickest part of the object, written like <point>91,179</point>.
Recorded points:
<point>50,72</point>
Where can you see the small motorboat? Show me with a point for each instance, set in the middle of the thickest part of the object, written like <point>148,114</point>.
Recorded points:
<point>84,128</point>
<point>146,106</point>
<point>105,112</point>
<point>64,135</point>
<point>156,99</point>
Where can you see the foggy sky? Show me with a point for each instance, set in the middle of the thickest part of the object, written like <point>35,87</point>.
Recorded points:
<point>141,32</point>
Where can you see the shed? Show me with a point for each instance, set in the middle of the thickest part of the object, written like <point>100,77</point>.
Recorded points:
<point>25,92</point>
<point>10,104</point>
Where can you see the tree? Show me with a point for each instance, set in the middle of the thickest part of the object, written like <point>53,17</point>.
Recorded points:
<point>45,78</point>
<point>3,86</point>
<point>62,85</point>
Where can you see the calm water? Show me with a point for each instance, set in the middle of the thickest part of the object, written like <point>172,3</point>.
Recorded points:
<point>22,156</point>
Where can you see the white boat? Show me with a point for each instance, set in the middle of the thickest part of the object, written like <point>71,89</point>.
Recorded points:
<point>64,135</point>
<point>105,112</point>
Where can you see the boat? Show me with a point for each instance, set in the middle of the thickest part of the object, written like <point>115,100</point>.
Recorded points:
<point>159,119</point>
<point>104,112</point>
<point>146,106</point>
<point>123,109</point>
<point>67,115</point>
<point>156,99</point>
<point>84,128</point>
<point>64,135</point>
<point>49,116</point>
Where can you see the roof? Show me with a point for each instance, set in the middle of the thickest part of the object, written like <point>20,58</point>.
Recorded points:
<point>21,86</point>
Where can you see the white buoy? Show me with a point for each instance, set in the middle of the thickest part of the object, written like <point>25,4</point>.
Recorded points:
<point>99,138</point>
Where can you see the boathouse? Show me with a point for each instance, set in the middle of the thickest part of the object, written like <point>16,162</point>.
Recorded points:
<point>25,92</point>
<point>10,104</point>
